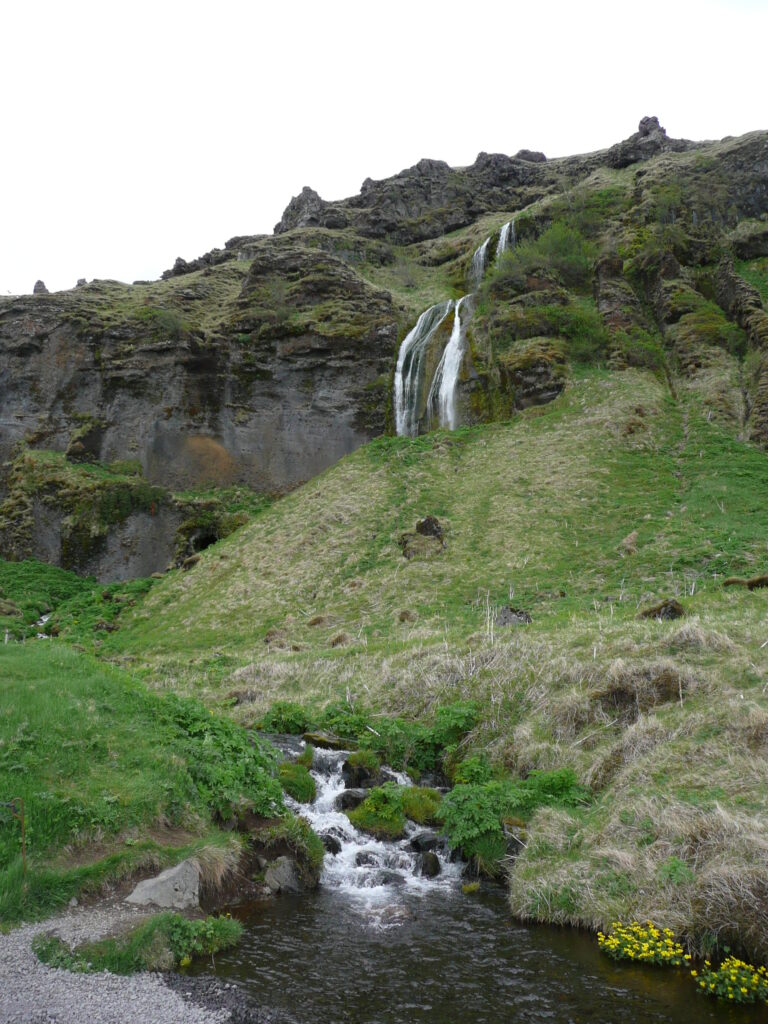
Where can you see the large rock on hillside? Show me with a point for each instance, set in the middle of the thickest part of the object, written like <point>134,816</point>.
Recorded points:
<point>649,140</point>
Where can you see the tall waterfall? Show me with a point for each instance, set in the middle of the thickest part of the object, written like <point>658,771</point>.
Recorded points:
<point>410,364</point>
<point>479,262</point>
<point>442,393</point>
<point>507,238</point>
<point>411,359</point>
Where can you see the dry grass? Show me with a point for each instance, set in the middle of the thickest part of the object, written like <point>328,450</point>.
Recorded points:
<point>217,863</point>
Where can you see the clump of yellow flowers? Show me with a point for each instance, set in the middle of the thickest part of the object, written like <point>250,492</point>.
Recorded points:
<point>645,944</point>
<point>734,980</point>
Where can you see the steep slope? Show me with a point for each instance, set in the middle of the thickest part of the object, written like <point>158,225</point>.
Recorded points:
<point>263,363</point>
<point>580,513</point>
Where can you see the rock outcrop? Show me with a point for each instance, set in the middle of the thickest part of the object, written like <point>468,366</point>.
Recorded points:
<point>263,372</point>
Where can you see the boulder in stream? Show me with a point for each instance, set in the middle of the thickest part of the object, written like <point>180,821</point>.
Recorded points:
<point>430,864</point>
<point>424,841</point>
<point>350,799</point>
<point>282,876</point>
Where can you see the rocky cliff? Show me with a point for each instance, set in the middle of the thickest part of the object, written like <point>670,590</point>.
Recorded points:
<point>264,362</point>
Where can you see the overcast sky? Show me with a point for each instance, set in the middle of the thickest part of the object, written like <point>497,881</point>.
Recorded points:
<point>136,132</point>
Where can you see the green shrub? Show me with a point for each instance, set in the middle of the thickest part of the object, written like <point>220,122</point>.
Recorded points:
<point>560,249</point>
<point>342,720</point>
<point>640,349</point>
<point>284,716</point>
<point>472,770</point>
<point>366,759</point>
<point>161,943</point>
<point>473,813</point>
<point>381,813</point>
<point>307,756</point>
<point>297,782</point>
<point>421,804</point>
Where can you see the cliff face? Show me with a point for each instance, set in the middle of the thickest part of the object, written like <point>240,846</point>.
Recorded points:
<point>264,362</point>
<point>258,371</point>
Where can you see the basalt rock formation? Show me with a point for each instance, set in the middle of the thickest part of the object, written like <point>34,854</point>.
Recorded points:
<point>262,363</point>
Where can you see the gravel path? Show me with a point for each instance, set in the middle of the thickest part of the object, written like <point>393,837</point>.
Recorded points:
<point>32,993</point>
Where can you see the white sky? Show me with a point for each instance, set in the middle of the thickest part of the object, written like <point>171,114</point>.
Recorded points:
<point>132,133</point>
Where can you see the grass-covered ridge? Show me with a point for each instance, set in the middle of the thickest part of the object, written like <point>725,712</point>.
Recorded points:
<point>582,513</point>
<point>113,777</point>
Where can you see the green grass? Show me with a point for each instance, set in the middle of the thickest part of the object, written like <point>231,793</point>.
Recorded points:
<point>100,762</point>
<point>163,942</point>
<point>297,782</point>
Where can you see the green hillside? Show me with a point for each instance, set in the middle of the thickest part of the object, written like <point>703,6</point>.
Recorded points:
<point>665,721</point>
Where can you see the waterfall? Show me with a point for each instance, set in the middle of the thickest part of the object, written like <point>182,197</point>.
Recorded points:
<point>410,365</point>
<point>409,372</point>
<point>507,238</point>
<point>362,865</point>
<point>442,393</point>
<point>479,261</point>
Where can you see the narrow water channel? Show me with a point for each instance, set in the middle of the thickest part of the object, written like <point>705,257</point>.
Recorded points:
<point>378,943</point>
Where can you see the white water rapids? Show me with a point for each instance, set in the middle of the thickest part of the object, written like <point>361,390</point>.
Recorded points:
<point>369,869</point>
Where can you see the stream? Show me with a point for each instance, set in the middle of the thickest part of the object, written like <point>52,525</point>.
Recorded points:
<point>378,943</point>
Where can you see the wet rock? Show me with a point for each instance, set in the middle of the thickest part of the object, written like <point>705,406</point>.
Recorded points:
<point>365,859</point>
<point>282,875</point>
<point>177,888</point>
<point>350,799</point>
<point>434,780</point>
<point>387,877</point>
<point>331,843</point>
<point>509,616</point>
<point>430,864</point>
<point>665,610</point>
<point>40,288</point>
<point>325,741</point>
<point>425,841</point>
<point>395,915</point>
<point>358,776</point>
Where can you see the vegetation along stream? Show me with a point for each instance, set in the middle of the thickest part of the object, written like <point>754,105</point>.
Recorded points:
<point>380,943</point>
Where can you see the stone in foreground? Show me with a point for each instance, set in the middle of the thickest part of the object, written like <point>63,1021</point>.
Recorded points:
<point>282,876</point>
<point>177,888</point>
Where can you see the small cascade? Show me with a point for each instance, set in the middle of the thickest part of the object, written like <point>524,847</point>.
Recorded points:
<point>507,239</point>
<point>410,365</point>
<point>366,867</point>
<point>479,263</point>
<point>441,402</point>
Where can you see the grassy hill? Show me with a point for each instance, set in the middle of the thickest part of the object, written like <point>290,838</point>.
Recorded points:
<point>582,513</point>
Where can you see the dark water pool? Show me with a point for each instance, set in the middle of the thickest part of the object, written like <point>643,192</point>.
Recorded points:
<point>445,958</point>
